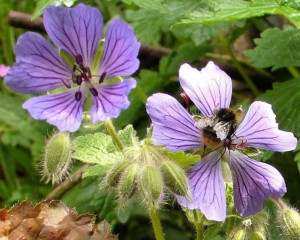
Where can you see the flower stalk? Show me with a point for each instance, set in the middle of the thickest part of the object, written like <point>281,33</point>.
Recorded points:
<point>113,133</point>
<point>154,217</point>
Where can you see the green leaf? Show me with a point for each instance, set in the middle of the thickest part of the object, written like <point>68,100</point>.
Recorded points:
<point>128,135</point>
<point>95,148</point>
<point>201,33</point>
<point>276,48</point>
<point>156,5</point>
<point>42,4</point>
<point>149,24</point>
<point>285,98</point>
<point>182,158</point>
<point>227,10</point>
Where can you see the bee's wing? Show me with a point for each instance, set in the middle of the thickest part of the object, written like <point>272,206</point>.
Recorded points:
<point>206,121</point>
<point>222,129</point>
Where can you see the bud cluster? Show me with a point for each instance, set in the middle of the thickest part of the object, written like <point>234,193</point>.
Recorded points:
<point>145,172</point>
<point>252,228</point>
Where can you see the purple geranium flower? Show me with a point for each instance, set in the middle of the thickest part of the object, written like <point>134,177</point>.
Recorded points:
<point>76,31</point>
<point>253,182</point>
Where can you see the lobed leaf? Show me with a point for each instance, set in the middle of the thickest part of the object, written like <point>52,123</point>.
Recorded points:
<point>276,48</point>
<point>226,11</point>
<point>95,148</point>
<point>285,98</point>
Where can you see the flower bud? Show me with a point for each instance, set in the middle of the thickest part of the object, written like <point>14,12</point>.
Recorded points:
<point>128,182</point>
<point>175,178</point>
<point>113,176</point>
<point>57,157</point>
<point>239,234</point>
<point>151,185</point>
<point>257,235</point>
<point>290,223</point>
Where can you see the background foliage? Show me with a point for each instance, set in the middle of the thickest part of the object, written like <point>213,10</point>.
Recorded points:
<point>256,42</point>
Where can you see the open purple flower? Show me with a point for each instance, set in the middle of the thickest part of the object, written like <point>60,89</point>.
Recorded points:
<point>210,89</point>
<point>76,31</point>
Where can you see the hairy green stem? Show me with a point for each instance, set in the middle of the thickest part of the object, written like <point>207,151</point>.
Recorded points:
<point>113,133</point>
<point>198,226</point>
<point>159,235</point>
<point>237,64</point>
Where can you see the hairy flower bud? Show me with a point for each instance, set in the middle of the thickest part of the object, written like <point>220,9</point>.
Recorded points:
<point>256,235</point>
<point>239,234</point>
<point>151,185</point>
<point>57,157</point>
<point>289,221</point>
<point>128,182</point>
<point>113,176</point>
<point>175,178</point>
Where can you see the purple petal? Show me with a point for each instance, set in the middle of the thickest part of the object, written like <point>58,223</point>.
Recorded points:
<point>120,50</point>
<point>260,130</point>
<point>60,110</point>
<point>209,89</point>
<point>39,67</point>
<point>174,127</point>
<point>253,183</point>
<point>207,188</point>
<point>75,30</point>
<point>111,99</point>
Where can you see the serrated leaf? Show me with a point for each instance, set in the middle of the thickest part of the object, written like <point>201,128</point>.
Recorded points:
<point>127,135</point>
<point>276,48</point>
<point>42,4</point>
<point>156,5</point>
<point>182,158</point>
<point>201,33</point>
<point>95,148</point>
<point>285,98</point>
<point>225,11</point>
<point>149,24</point>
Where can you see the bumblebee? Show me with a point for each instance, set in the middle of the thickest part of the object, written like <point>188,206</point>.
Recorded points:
<point>218,128</point>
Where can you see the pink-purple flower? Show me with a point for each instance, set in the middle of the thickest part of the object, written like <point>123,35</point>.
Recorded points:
<point>77,31</point>
<point>253,182</point>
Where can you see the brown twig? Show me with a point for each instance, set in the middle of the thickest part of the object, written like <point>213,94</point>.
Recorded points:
<point>22,20</point>
<point>62,188</point>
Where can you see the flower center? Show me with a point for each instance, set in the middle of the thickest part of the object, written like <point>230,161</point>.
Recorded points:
<point>82,74</point>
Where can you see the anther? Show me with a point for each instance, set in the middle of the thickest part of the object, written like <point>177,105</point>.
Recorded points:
<point>79,59</point>
<point>66,83</point>
<point>78,79</point>
<point>94,92</point>
<point>74,68</point>
<point>78,96</point>
<point>102,77</point>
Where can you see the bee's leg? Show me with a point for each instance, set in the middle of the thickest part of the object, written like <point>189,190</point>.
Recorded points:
<point>203,154</point>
